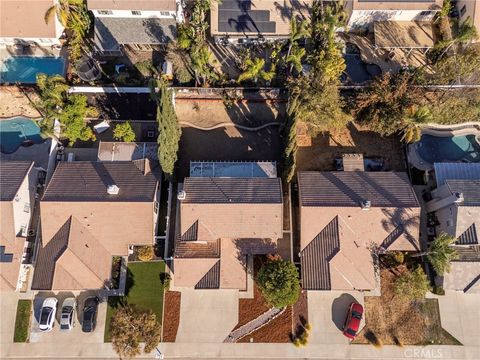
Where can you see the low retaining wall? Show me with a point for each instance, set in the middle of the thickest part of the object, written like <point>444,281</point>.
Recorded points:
<point>452,130</point>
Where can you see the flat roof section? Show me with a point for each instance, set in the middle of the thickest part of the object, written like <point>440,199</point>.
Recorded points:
<point>237,169</point>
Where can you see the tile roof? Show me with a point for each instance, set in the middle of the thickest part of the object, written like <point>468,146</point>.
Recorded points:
<point>88,181</point>
<point>47,257</point>
<point>349,189</point>
<point>316,255</point>
<point>201,190</point>
<point>456,171</point>
<point>211,280</point>
<point>468,237</point>
<point>12,174</point>
<point>469,188</point>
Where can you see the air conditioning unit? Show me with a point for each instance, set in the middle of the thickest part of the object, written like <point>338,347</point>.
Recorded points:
<point>113,189</point>
<point>366,205</point>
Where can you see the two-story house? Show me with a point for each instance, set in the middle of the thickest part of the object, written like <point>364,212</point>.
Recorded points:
<point>138,24</point>
<point>90,212</point>
<point>228,212</point>
<point>348,218</point>
<point>17,189</point>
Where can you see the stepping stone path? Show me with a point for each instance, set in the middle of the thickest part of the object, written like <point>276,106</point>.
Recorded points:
<point>253,325</point>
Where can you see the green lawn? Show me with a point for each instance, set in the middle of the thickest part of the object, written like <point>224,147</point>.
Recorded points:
<point>22,321</point>
<point>144,290</point>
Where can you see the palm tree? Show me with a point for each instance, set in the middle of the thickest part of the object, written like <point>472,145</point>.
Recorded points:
<point>298,30</point>
<point>466,33</point>
<point>440,253</point>
<point>52,91</point>
<point>295,58</point>
<point>413,119</point>
<point>63,9</point>
<point>255,70</point>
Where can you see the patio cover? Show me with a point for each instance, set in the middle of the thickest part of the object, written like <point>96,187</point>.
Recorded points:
<point>403,34</point>
<point>111,32</point>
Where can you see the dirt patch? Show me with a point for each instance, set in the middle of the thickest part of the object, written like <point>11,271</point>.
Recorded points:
<point>211,112</point>
<point>353,139</point>
<point>14,102</point>
<point>279,330</point>
<point>392,320</point>
<point>171,315</point>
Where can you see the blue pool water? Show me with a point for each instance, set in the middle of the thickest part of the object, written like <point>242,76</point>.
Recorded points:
<point>455,148</point>
<point>17,131</point>
<point>24,69</point>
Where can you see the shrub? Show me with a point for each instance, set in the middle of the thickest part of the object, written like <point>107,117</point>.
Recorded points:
<point>22,321</point>
<point>165,280</point>
<point>278,280</point>
<point>124,132</point>
<point>399,257</point>
<point>145,253</point>
<point>412,285</point>
<point>438,290</point>
<point>296,342</point>
<point>308,327</point>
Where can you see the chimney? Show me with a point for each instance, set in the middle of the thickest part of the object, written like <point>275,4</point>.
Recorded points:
<point>181,195</point>
<point>113,189</point>
<point>437,204</point>
<point>366,204</point>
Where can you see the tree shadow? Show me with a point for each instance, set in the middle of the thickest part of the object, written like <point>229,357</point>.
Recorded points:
<point>119,301</point>
<point>340,308</point>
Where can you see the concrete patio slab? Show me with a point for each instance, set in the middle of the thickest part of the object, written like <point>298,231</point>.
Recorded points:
<point>207,316</point>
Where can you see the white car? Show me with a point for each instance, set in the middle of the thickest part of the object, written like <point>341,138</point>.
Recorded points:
<point>67,317</point>
<point>47,315</point>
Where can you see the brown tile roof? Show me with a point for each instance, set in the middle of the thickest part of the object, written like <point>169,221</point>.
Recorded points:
<point>201,190</point>
<point>211,280</point>
<point>194,249</point>
<point>12,174</point>
<point>382,189</point>
<point>88,181</point>
<point>72,260</point>
<point>25,19</point>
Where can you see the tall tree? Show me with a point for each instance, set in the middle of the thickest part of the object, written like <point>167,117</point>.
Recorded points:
<point>413,119</point>
<point>55,103</point>
<point>255,70</point>
<point>169,130</point>
<point>441,253</point>
<point>131,326</point>
<point>279,282</point>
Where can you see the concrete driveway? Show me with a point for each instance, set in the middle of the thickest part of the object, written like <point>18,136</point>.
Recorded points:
<point>76,334</point>
<point>327,311</point>
<point>460,316</point>
<point>8,308</point>
<point>207,316</point>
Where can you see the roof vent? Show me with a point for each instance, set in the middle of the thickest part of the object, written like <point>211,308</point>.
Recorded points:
<point>366,204</point>
<point>113,189</point>
<point>181,195</point>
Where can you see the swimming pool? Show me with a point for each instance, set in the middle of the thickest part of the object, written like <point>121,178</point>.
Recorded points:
<point>453,148</point>
<point>24,69</point>
<point>18,131</point>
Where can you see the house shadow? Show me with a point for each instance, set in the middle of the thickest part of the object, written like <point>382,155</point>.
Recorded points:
<point>246,249</point>
<point>340,308</point>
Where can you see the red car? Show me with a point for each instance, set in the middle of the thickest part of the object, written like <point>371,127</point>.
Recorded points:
<point>352,323</point>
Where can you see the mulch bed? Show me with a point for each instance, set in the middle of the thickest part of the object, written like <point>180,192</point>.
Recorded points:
<point>300,313</point>
<point>392,320</point>
<point>171,316</point>
<point>278,330</point>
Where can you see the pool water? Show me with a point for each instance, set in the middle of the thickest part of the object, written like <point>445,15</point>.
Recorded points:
<point>17,131</point>
<point>24,69</point>
<point>454,148</point>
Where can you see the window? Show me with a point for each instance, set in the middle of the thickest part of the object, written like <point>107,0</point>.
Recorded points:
<point>165,13</point>
<point>425,13</point>
<point>463,10</point>
<point>156,207</point>
<point>26,208</point>
<point>105,12</point>
<point>136,12</point>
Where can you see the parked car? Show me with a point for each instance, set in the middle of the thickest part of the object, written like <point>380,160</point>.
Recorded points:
<point>90,314</point>
<point>47,314</point>
<point>352,323</point>
<point>67,318</point>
